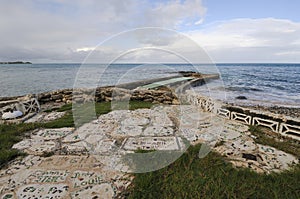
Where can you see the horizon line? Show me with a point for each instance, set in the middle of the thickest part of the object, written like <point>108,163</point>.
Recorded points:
<point>166,63</point>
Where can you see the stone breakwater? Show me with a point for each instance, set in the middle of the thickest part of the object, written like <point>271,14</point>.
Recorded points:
<point>100,94</point>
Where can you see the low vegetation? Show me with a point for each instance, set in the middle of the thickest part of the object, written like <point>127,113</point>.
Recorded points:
<point>212,177</point>
<point>9,135</point>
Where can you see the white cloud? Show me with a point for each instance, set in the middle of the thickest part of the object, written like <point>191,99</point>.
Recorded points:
<point>85,49</point>
<point>63,28</point>
<point>251,40</point>
<point>240,40</point>
<point>173,13</point>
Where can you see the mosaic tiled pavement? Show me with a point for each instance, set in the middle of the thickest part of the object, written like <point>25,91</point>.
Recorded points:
<point>87,162</point>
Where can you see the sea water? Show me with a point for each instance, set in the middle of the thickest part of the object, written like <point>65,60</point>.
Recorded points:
<point>266,84</point>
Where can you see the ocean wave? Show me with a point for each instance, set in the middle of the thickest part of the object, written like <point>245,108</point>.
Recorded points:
<point>240,89</point>
<point>276,87</point>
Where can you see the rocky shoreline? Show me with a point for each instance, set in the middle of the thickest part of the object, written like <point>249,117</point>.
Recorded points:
<point>282,110</point>
<point>164,96</point>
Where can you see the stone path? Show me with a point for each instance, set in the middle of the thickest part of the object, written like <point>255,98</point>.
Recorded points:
<point>88,162</point>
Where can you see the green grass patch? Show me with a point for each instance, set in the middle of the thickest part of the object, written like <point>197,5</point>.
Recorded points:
<point>139,104</point>
<point>65,121</point>
<point>212,177</point>
<point>9,135</point>
<point>66,107</point>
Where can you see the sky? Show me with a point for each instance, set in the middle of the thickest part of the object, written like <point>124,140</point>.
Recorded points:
<point>69,31</point>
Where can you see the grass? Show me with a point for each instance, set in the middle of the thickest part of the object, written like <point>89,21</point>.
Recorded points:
<point>212,177</point>
<point>65,107</point>
<point>9,135</point>
<point>13,133</point>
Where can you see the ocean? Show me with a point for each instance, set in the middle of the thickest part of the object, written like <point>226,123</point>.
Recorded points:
<point>263,84</point>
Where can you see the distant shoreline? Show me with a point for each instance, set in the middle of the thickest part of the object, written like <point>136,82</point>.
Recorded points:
<point>15,62</point>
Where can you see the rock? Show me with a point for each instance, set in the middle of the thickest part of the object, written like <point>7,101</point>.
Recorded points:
<point>175,102</point>
<point>57,97</point>
<point>148,100</point>
<point>45,100</point>
<point>67,92</point>
<point>44,96</point>
<point>167,102</point>
<point>241,97</point>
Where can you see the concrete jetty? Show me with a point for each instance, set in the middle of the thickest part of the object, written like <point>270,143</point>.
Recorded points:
<point>192,78</point>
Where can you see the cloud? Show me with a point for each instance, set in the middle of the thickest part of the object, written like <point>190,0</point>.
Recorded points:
<point>174,13</point>
<point>238,40</point>
<point>58,28</point>
<point>251,40</point>
<point>68,30</point>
